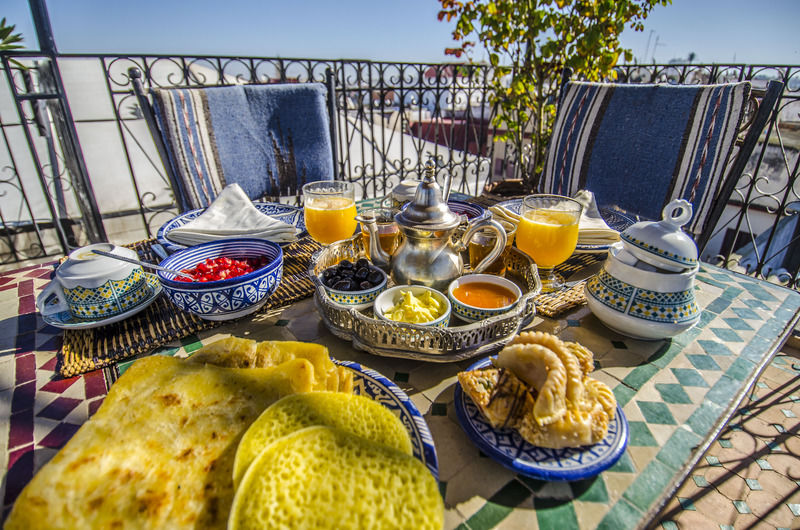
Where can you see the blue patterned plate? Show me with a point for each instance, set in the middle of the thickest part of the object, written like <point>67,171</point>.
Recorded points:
<point>367,382</point>
<point>615,220</point>
<point>508,448</point>
<point>66,320</point>
<point>282,212</point>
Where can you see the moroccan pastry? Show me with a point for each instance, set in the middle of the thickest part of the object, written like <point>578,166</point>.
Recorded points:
<point>574,381</point>
<point>235,352</point>
<point>600,393</point>
<point>584,355</point>
<point>357,415</point>
<point>320,477</point>
<point>498,393</point>
<point>544,372</point>
<point>554,404</point>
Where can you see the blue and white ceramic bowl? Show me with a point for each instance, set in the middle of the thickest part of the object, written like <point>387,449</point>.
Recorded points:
<point>224,299</point>
<point>473,212</point>
<point>357,299</point>
<point>388,298</point>
<point>471,313</point>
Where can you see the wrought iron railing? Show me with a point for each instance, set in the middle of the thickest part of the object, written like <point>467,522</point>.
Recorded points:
<point>78,162</point>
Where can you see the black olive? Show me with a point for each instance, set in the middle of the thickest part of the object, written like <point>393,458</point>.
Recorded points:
<point>343,285</point>
<point>347,273</point>
<point>328,273</point>
<point>365,285</point>
<point>361,273</point>
<point>375,277</point>
<point>362,262</point>
<point>346,264</point>
<point>333,280</point>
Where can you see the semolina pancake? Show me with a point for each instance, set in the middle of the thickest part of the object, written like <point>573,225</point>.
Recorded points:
<point>355,414</point>
<point>321,477</point>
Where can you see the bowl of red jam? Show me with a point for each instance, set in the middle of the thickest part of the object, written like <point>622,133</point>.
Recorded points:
<point>232,277</point>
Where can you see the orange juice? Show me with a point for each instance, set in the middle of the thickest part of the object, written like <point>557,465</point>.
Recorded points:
<point>548,236</point>
<point>330,219</point>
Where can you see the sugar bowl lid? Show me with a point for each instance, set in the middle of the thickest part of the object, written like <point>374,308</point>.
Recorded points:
<point>428,211</point>
<point>663,243</point>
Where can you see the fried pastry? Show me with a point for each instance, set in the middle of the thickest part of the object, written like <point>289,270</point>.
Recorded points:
<point>584,355</point>
<point>539,387</point>
<point>499,394</point>
<point>574,374</point>
<point>540,368</point>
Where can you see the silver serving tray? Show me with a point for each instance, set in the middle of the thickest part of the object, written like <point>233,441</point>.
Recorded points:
<point>411,341</point>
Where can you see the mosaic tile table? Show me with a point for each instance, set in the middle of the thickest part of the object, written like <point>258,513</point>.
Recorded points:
<point>676,395</point>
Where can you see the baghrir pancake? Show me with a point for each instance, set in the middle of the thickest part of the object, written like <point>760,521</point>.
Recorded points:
<point>357,415</point>
<point>321,477</point>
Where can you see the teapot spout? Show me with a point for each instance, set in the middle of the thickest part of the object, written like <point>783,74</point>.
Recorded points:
<point>380,258</point>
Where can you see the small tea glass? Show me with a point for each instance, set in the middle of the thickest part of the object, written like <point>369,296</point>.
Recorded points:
<point>548,233</point>
<point>482,243</point>
<point>330,210</point>
<point>389,234</point>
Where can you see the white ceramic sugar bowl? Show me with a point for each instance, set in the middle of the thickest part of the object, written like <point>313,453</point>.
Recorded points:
<point>646,287</point>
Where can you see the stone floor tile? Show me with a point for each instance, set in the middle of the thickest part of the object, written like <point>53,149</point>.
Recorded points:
<point>716,507</point>
<point>778,483</point>
<point>694,519</point>
<point>785,464</point>
<point>733,487</point>
<point>767,506</point>
<point>757,426</point>
<point>792,445</point>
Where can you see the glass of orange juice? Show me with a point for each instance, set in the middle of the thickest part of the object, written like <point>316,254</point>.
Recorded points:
<point>330,210</point>
<point>548,233</point>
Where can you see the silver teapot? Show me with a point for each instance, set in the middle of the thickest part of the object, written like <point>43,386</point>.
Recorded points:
<point>428,256</point>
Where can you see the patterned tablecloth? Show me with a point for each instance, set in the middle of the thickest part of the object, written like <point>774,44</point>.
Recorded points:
<point>674,394</point>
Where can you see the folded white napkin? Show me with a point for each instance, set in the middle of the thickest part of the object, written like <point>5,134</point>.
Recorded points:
<point>592,230</point>
<point>232,215</point>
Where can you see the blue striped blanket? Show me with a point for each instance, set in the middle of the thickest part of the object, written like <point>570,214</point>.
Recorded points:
<point>269,139</point>
<point>640,146</point>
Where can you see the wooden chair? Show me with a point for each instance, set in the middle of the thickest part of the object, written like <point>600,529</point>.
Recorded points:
<point>268,138</point>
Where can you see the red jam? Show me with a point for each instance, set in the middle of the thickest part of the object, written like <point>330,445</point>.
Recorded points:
<point>216,269</point>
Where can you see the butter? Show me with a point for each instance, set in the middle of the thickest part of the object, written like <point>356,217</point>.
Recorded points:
<point>415,309</point>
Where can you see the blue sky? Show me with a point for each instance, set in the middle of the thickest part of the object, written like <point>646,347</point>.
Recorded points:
<point>749,31</point>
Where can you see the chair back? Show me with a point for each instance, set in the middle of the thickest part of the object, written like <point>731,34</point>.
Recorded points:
<point>639,146</point>
<point>270,139</point>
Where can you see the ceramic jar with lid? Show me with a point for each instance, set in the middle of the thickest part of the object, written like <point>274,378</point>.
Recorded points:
<point>646,287</point>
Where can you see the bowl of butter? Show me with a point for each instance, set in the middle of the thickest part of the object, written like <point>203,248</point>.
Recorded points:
<point>413,304</point>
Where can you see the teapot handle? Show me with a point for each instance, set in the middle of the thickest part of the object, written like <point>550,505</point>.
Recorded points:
<point>499,244</point>
<point>683,216</point>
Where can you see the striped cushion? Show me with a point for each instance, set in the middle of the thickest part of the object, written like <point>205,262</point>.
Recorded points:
<point>269,139</point>
<point>640,146</point>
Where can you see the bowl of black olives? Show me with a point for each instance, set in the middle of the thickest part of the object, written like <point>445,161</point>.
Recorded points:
<point>354,284</point>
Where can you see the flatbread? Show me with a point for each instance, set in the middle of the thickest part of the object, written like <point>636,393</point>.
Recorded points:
<point>159,451</point>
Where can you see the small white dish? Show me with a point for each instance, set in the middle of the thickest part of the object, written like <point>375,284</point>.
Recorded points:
<point>65,319</point>
<point>386,300</point>
<point>470,313</point>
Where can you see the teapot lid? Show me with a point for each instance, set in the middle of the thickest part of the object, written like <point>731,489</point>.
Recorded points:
<point>663,243</point>
<point>428,210</point>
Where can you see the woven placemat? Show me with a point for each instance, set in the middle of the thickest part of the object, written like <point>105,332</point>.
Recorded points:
<point>554,304</point>
<point>162,322</point>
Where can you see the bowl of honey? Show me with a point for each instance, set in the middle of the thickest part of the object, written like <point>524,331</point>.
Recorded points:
<point>475,297</point>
